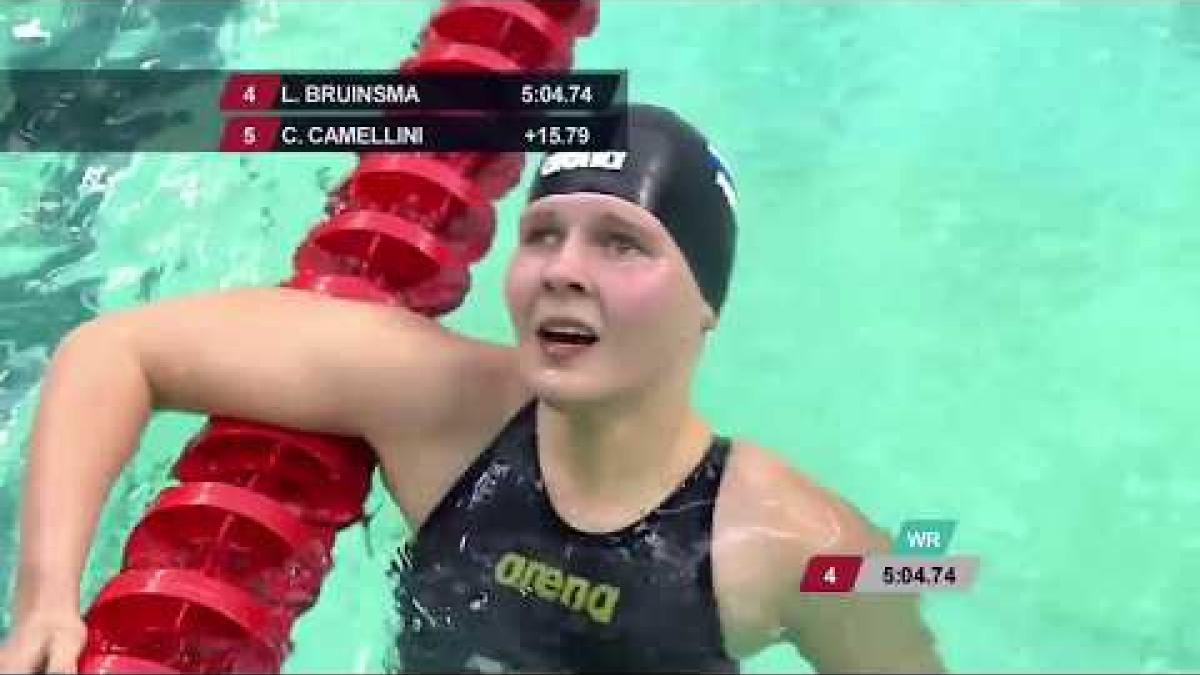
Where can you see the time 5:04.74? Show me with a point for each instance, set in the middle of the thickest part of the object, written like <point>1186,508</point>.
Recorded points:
<point>921,574</point>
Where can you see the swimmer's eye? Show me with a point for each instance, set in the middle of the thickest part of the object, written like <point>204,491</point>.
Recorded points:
<point>536,236</point>
<point>623,244</point>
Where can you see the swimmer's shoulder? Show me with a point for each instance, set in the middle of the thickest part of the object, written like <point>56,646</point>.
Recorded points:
<point>473,382</point>
<point>478,389</point>
<point>771,517</point>
<point>760,484</point>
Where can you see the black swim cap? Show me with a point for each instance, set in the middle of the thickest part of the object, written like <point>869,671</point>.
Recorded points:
<point>672,171</point>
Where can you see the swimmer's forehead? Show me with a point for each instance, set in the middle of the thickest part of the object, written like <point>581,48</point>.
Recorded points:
<point>590,207</point>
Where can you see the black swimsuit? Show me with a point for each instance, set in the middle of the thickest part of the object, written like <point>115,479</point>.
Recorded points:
<point>496,581</point>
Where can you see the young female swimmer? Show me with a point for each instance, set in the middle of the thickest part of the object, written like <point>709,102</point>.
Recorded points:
<point>573,511</point>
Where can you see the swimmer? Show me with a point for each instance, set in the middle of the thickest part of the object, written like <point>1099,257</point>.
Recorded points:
<point>572,510</point>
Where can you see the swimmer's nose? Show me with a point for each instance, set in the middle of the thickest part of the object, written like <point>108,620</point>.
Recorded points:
<point>566,269</point>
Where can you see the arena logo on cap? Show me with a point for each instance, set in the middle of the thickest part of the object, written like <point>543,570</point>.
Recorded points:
<point>724,181</point>
<point>561,161</point>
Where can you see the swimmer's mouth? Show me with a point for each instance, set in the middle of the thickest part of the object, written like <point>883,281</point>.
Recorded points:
<point>566,331</point>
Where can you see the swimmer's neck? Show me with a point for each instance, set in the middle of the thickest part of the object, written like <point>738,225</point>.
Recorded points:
<point>622,452</point>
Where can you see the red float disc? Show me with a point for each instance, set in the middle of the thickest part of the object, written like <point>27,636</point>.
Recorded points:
<point>113,663</point>
<point>493,173</point>
<point>522,31</point>
<point>187,621</point>
<point>438,55</point>
<point>324,478</point>
<point>496,173</point>
<point>236,535</point>
<point>431,193</point>
<point>391,251</point>
<point>577,16</point>
<point>442,294</point>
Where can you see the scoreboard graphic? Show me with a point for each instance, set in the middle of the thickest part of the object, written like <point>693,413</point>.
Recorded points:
<point>917,563</point>
<point>299,111</point>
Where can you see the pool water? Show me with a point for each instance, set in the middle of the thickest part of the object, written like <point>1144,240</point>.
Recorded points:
<point>966,285</point>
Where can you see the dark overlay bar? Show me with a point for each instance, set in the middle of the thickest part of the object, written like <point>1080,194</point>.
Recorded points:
<point>595,132</point>
<point>375,91</point>
<point>180,110</point>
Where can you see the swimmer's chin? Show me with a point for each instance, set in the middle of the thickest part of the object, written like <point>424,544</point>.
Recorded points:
<point>564,390</point>
<point>561,393</point>
<point>573,384</point>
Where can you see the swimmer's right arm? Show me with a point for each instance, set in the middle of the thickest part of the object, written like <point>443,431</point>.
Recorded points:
<point>275,355</point>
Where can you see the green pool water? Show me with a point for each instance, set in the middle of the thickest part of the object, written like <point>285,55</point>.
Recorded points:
<point>967,284</point>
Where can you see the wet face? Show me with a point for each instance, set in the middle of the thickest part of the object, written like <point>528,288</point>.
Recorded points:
<point>601,299</point>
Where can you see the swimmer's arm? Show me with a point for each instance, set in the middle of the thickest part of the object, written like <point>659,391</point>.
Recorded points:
<point>275,355</point>
<point>856,633</point>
